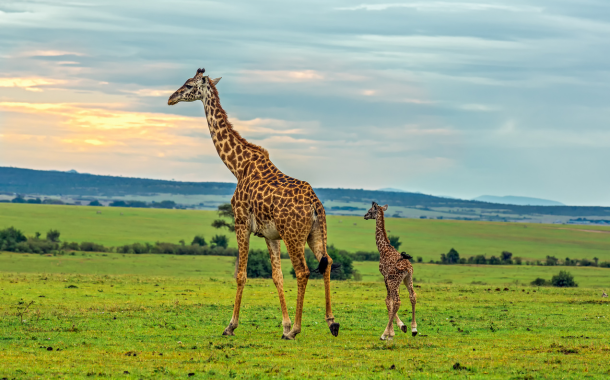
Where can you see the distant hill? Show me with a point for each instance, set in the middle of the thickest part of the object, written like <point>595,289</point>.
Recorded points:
<point>47,183</point>
<point>521,201</point>
<point>392,190</point>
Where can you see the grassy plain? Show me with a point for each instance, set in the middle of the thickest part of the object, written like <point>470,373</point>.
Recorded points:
<point>425,238</point>
<point>152,326</point>
<point>222,267</point>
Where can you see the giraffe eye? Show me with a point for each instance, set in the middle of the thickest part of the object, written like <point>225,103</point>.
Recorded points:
<point>189,86</point>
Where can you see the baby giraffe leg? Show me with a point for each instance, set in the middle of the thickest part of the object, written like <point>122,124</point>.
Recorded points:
<point>393,303</point>
<point>400,324</point>
<point>408,281</point>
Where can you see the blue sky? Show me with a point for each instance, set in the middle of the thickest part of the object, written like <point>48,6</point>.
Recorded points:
<point>446,98</point>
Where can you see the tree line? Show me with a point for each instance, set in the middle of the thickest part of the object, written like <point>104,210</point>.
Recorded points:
<point>506,258</point>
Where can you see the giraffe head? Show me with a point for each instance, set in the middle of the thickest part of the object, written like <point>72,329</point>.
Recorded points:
<point>374,211</point>
<point>195,88</point>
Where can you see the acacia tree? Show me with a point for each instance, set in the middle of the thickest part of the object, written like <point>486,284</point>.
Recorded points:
<point>395,241</point>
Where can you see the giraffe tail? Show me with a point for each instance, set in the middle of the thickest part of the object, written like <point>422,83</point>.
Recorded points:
<point>324,264</point>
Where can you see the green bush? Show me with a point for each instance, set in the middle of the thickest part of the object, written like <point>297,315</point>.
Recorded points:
<point>564,280</point>
<point>53,235</point>
<point>199,240</point>
<point>395,241</point>
<point>95,202</point>
<point>259,264</point>
<point>9,238</point>
<point>539,282</point>
<point>340,257</point>
<point>220,241</point>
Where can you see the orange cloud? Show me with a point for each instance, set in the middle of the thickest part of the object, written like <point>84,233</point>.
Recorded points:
<point>29,84</point>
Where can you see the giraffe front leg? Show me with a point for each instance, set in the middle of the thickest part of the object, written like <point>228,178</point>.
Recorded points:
<point>388,333</point>
<point>242,233</point>
<point>408,281</point>
<point>278,279</point>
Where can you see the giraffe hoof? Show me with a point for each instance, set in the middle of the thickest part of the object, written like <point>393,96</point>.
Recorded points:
<point>286,337</point>
<point>414,332</point>
<point>403,328</point>
<point>334,329</point>
<point>228,332</point>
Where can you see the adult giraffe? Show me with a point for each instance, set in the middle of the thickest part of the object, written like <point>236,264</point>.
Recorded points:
<point>267,203</point>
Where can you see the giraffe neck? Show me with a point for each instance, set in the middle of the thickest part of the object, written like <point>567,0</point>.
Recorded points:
<point>380,235</point>
<point>235,151</point>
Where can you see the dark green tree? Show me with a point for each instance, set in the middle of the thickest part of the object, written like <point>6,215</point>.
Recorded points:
<point>539,282</point>
<point>53,235</point>
<point>95,202</point>
<point>563,280</point>
<point>259,264</point>
<point>341,259</point>
<point>18,199</point>
<point>225,211</point>
<point>9,238</point>
<point>395,241</point>
<point>199,240</point>
<point>220,241</point>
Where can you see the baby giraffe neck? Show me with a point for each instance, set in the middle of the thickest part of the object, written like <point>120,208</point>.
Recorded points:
<point>381,236</point>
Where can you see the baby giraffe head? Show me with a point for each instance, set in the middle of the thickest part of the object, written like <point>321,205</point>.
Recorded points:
<point>195,88</point>
<point>374,211</point>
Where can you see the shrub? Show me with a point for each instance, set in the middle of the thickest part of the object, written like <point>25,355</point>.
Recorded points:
<point>518,260</point>
<point>220,241</point>
<point>340,257</point>
<point>92,247</point>
<point>539,282</point>
<point>419,259</point>
<point>18,199</point>
<point>494,261</point>
<point>395,241</point>
<point>563,280</point>
<point>551,260</point>
<point>605,264</point>
<point>365,256</point>
<point>199,240</point>
<point>95,202</point>
<point>53,235</point>
<point>452,257</point>
<point>506,256</point>
<point>9,238</point>
<point>70,246</point>
<point>259,264</point>
<point>35,201</point>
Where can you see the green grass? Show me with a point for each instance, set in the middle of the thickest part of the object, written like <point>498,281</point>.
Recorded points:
<point>222,267</point>
<point>425,238</point>
<point>167,327</point>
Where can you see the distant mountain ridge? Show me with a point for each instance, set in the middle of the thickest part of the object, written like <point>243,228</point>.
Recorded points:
<point>45,183</point>
<point>519,201</point>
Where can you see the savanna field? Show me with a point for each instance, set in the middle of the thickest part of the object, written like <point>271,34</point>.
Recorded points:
<point>110,315</point>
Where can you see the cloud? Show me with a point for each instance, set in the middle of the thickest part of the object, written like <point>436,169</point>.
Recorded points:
<point>29,83</point>
<point>442,6</point>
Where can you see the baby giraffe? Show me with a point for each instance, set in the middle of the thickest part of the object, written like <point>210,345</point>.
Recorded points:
<point>395,268</point>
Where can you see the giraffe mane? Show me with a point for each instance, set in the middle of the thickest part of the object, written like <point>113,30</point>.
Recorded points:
<point>230,126</point>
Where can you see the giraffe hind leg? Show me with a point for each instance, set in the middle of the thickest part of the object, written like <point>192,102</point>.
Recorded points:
<point>317,245</point>
<point>408,281</point>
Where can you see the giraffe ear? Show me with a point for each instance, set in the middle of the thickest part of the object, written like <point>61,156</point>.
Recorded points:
<point>385,208</point>
<point>215,81</point>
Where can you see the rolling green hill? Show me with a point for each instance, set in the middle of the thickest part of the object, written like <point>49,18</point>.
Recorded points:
<point>426,238</point>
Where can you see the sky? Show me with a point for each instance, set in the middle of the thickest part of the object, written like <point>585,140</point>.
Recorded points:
<point>450,98</point>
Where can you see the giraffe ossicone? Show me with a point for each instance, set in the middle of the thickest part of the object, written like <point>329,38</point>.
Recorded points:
<point>396,269</point>
<point>266,203</point>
